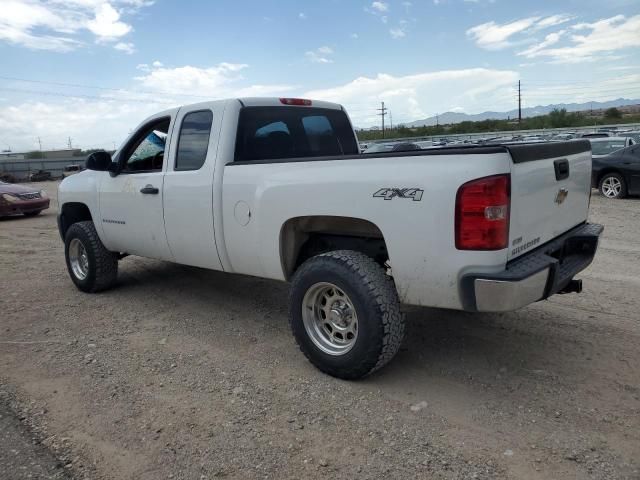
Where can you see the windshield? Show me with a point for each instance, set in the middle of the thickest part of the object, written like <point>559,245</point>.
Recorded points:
<point>607,147</point>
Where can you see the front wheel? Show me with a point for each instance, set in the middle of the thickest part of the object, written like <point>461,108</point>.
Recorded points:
<point>612,185</point>
<point>345,314</point>
<point>91,266</point>
<point>32,214</point>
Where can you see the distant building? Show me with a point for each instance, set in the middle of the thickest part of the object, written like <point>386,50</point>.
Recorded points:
<point>44,154</point>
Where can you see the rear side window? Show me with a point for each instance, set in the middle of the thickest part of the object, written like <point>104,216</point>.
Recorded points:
<point>268,133</point>
<point>193,141</point>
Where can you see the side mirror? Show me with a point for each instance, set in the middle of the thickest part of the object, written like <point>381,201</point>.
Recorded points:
<point>99,161</point>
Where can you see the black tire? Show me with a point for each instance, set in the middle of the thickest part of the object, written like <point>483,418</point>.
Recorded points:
<point>32,214</point>
<point>619,178</point>
<point>102,264</point>
<point>374,297</point>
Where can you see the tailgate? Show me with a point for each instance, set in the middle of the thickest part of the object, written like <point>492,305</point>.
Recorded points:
<point>550,189</point>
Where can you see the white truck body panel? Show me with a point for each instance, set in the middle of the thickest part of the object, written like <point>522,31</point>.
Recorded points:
<point>229,215</point>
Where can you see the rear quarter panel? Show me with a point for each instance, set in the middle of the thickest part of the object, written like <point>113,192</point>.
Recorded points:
<point>419,234</point>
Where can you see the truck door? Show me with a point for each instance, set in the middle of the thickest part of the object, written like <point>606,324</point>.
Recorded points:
<point>131,201</point>
<point>189,186</point>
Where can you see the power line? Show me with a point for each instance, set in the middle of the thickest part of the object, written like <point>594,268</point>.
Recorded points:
<point>90,97</point>
<point>95,87</point>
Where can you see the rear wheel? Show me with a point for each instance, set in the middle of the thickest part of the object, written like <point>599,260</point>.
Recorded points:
<point>612,185</point>
<point>345,314</point>
<point>91,266</point>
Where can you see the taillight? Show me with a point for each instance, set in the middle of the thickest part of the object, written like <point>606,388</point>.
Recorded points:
<point>296,101</point>
<point>482,214</point>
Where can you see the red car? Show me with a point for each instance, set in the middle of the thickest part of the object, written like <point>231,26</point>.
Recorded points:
<point>18,199</point>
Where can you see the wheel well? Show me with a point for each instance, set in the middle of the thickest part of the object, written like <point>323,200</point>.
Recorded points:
<point>73,213</point>
<point>605,172</point>
<point>304,237</point>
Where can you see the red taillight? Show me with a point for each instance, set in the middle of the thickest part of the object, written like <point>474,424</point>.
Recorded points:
<point>296,101</point>
<point>482,214</point>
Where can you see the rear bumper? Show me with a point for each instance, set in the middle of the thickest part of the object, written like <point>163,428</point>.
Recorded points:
<point>535,276</point>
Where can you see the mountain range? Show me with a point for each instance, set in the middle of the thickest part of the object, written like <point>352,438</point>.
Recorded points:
<point>456,117</point>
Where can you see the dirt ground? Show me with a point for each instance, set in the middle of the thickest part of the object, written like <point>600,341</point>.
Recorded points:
<point>185,373</point>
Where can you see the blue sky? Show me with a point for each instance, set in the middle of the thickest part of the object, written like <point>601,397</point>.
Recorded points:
<point>92,69</point>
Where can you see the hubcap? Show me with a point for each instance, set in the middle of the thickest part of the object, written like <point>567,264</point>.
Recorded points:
<point>611,187</point>
<point>78,259</point>
<point>330,318</point>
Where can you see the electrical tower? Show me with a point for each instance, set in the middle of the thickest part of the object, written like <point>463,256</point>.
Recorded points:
<point>383,112</point>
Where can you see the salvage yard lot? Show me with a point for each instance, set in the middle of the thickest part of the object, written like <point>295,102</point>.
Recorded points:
<point>180,372</point>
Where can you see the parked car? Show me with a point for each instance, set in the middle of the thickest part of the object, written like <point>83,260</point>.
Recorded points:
<point>19,199</point>
<point>71,169</point>
<point>618,174</point>
<point>595,135</point>
<point>604,146</point>
<point>405,147</point>
<point>278,189</point>
<point>40,176</point>
<point>379,148</point>
<point>635,134</point>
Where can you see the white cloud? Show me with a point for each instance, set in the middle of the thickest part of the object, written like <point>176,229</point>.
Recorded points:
<point>553,20</point>
<point>125,47</point>
<point>602,37</point>
<point>380,6</point>
<point>220,81</point>
<point>549,40</point>
<point>320,55</point>
<point>417,96</point>
<point>397,33</point>
<point>354,35</point>
<point>56,25</point>
<point>493,36</point>
<point>302,16</point>
<point>106,24</point>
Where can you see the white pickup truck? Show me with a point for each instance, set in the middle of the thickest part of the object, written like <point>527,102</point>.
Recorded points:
<point>277,188</point>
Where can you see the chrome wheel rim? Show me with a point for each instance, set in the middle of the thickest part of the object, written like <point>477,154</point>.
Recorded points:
<point>78,259</point>
<point>330,318</point>
<point>611,187</point>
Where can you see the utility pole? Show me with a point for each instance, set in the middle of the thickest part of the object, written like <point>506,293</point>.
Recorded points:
<point>383,112</point>
<point>519,104</point>
<point>69,143</point>
<point>437,120</point>
<point>40,143</point>
<point>390,121</point>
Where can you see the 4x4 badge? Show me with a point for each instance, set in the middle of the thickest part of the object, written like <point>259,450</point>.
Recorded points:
<point>388,193</point>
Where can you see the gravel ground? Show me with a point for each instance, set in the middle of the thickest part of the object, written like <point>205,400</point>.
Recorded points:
<point>184,373</point>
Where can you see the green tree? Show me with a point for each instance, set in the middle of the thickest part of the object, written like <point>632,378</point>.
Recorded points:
<point>613,113</point>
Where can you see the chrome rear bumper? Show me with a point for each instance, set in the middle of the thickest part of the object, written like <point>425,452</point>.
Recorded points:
<point>535,276</point>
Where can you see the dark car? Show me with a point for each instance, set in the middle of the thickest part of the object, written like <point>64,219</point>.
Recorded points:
<point>18,199</point>
<point>405,147</point>
<point>40,176</point>
<point>618,174</point>
<point>595,135</point>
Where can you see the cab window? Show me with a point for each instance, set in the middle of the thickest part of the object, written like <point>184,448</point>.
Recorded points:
<point>193,141</point>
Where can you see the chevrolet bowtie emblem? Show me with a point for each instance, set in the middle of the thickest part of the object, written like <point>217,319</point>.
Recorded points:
<point>561,195</point>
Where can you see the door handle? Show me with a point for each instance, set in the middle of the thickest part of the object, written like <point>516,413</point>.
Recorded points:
<point>149,190</point>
